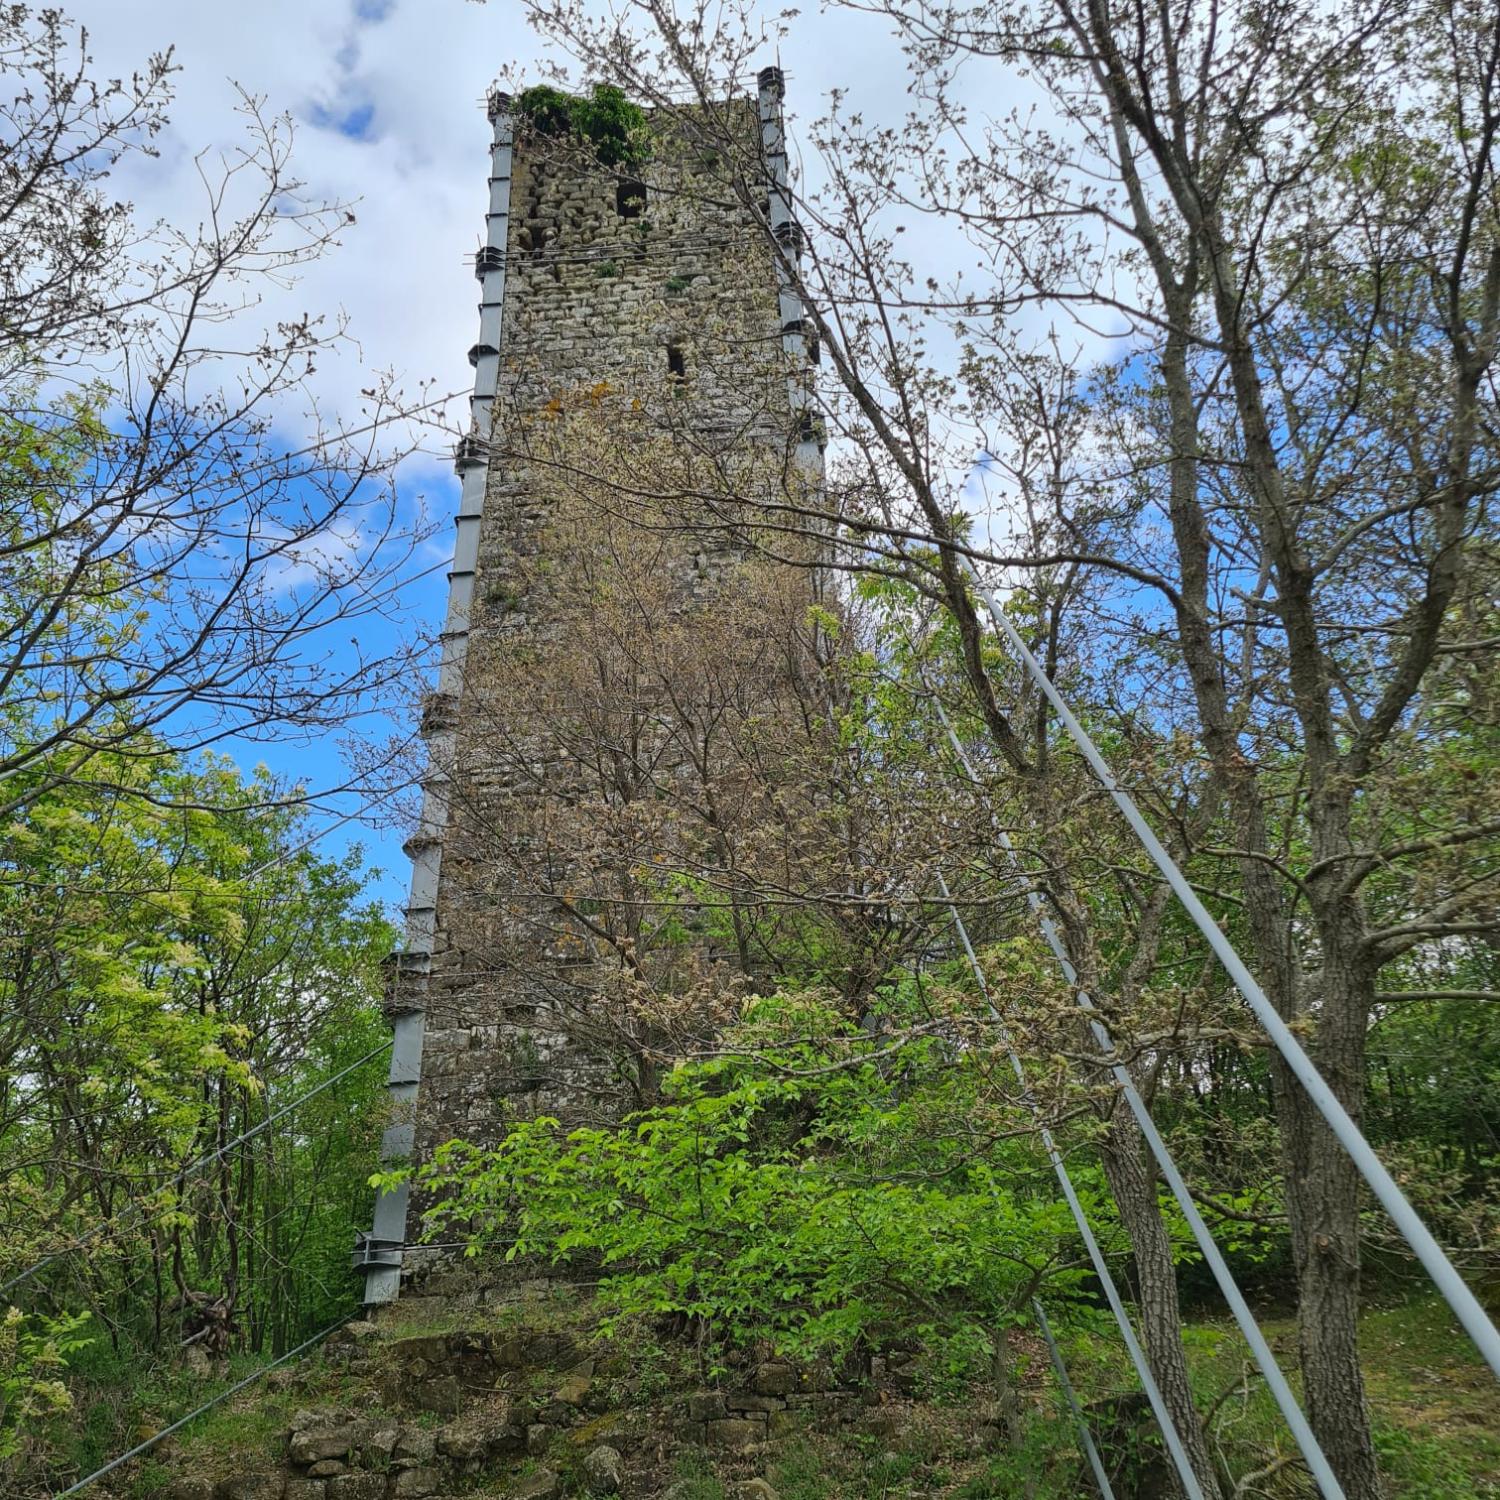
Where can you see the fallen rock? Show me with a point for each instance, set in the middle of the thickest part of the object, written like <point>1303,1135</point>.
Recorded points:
<point>573,1390</point>
<point>543,1485</point>
<point>705,1406</point>
<point>538,1438</point>
<point>604,1470</point>
<point>754,1489</point>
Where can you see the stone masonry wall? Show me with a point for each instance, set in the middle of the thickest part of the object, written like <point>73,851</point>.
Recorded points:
<point>673,311</point>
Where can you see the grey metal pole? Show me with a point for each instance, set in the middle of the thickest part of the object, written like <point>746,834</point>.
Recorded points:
<point>1138,1358</point>
<point>1276,1381</point>
<point>1444,1274</point>
<point>382,1253</point>
<point>787,253</point>
<point>1085,1437</point>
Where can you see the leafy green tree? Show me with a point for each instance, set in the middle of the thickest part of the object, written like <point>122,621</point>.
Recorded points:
<point>176,966</point>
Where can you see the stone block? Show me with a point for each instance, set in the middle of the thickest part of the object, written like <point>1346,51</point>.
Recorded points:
<point>743,1401</point>
<point>543,1485</point>
<point>736,1432</point>
<point>357,1487</point>
<point>379,1444</point>
<point>252,1487</point>
<point>413,1483</point>
<point>429,1347</point>
<point>304,1489</point>
<point>464,1441</point>
<point>774,1379</point>
<point>704,1406</point>
<point>441,1396</point>
<point>509,1354</point>
<point>414,1446</point>
<point>326,1468</point>
<point>538,1438</point>
<point>310,1446</point>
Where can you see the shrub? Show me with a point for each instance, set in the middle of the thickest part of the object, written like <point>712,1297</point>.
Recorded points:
<point>613,127</point>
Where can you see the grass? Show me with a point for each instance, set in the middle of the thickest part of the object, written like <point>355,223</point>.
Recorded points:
<point>1436,1417</point>
<point>1433,1401</point>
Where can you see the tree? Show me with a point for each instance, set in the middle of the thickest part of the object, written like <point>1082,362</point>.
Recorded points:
<point>173,555</point>
<point>176,967</point>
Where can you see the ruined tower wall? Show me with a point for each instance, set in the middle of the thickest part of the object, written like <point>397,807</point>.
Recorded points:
<point>623,324</point>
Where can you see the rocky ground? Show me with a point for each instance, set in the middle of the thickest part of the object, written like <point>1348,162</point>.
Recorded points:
<point>449,1394</point>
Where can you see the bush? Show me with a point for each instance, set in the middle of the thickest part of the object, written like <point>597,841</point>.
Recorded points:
<point>613,127</point>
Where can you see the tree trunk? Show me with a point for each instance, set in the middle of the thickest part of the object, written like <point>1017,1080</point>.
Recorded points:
<point>1322,1193</point>
<point>1160,1319</point>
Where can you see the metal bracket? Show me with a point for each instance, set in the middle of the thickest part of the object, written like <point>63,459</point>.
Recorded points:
<point>371,1250</point>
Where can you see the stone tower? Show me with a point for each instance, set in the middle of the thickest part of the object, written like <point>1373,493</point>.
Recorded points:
<point>657,303</point>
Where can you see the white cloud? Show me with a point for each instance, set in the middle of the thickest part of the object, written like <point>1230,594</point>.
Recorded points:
<point>387,96</point>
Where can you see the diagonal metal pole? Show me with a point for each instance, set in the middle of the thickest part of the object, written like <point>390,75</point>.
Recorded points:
<point>1085,1437</point>
<point>1276,1381</point>
<point>192,1416</point>
<point>1443,1272</point>
<point>1138,1358</point>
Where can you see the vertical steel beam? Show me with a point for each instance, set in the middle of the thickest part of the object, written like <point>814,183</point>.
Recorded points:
<point>381,1253</point>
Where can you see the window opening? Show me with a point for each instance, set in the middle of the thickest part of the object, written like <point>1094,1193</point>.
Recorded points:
<point>630,199</point>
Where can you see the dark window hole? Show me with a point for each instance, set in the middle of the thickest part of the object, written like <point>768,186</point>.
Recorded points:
<point>630,199</point>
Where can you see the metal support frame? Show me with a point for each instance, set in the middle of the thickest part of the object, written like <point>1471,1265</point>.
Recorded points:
<point>1276,1381</point>
<point>1138,1358</point>
<point>1455,1290</point>
<point>380,1254</point>
<point>789,242</point>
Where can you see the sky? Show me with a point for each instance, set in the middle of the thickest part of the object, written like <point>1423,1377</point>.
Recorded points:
<point>387,98</point>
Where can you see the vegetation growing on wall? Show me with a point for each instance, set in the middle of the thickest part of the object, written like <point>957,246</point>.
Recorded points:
<point>615,129</point>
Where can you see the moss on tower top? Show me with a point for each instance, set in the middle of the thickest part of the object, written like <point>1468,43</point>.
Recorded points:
<point>614,128</point>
